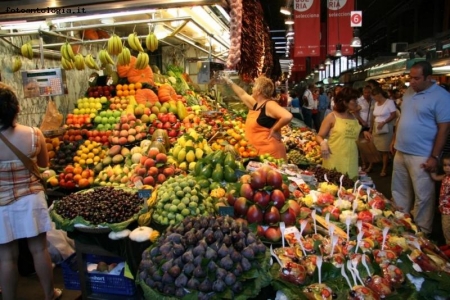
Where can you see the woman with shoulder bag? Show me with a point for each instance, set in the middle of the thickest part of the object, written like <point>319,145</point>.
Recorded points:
<point>384,115</point>
<point>23,204</point>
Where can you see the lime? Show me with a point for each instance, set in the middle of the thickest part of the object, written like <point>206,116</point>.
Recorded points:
<point>193,205</point>
<point>173,208</point>
<point>194,199</point>
<point>185,212</point>
<point>176,202</point>
<point>181,206</point>
<point>186,189</point>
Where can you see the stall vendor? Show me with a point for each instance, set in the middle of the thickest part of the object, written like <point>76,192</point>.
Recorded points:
<point>265,117</point>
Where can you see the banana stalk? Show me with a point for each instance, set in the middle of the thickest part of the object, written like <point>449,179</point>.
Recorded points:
<point>151,41</point>
<point>27,51</point>
<point>142,61</point>
<point>16,65</point>
<point>134,42</point>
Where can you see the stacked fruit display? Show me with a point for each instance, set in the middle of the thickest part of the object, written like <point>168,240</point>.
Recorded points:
<point>89,106</point>
<point>77,121</point>
<point>178,197</point>
<point>64,155</point>
<point>52,146</point>
<point>75,177</point>
<point>115,168</point>
<point>107,119</point>
<point>188,149</point>
<point>167,121</point>
<point>207,258</point>
<point>152,168</point>
<point>297,158</point>
<point>105,92</point>
<point>128,131</point>
<point>218,166</point>
<point>263,199</point>
<point>89,154</point>
<point>99,206</point>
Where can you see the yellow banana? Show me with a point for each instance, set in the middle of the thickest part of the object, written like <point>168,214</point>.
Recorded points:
<point>104,57</point>
<point>114,45</point>
<point>70,51</point>
<point>90,62</point>
<point>142,61</point>
<point>134,42</point>
<point>26,50</point>
<point>126,55</point>
<point>151,41</point>
<point>66,64</point>
<point>79,62</point>
<point>17,64</point>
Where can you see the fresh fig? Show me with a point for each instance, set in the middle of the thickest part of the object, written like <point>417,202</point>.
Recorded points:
<point>174,238</point>
<point>178,250</point>
<point>248,252</point>
<point>204,223</point>
<point>235,256</point>
<point>246,265</point>
<point>251,238</point>
<point>209,238</point>
<point>226,263</point>
<point>155,252</point>
<point>230,279</point>
<point>187,256</point>
<point>227,240</point>
<point>205,286</point>
<point>199,250</point>
<point>168,290</point>
<point>218,235</point>
<point>167,279</point>
<point>166,266</point>
<point>212,267</point>
<point>180,292</point>
<point>239,245</point>
<point>221,273</point>
<point>225,228</point>
<point>198,260</point>
<point>150,282</point>
<point>218,286</point>
<point>188,268</point>
<point>143,274</point>
<point>165,248</point>
<point>223,251</point>
<point>157,276</point>
<point>191,239</point>
<point>216,246</point>
<point>199,272</point>
<point>179,262</point>
<point>238,270</point>
<point>237,287</point>
<point>193,284</point>
<point>174,271</point>
<point>210,254</point>
<point>261,248</point>
<point>181,280</point>
<point>159,286</point>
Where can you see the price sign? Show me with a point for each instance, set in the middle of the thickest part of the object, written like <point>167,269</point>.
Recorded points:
<point>226,211</point>
<point>144,194</point>
<point>356,18</point>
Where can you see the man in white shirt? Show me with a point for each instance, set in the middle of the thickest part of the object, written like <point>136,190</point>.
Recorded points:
<point>308,105</point>
<point>365,107</point>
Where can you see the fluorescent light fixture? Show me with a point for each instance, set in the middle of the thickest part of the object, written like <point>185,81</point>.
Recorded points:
<point>161,32</point>
<point>102,16</point>
<point>285,10</point>
<point>280,43</point>
<point>223,12</point>
<point>279,47</point>
<point>25,26</point>
<point>289,21</point>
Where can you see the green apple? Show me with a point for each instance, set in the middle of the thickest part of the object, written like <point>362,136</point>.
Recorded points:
<point>98,119</point>
<point>76,111</point>
<point>101,126</point>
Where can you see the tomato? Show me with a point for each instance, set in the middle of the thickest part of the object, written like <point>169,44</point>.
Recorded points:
<point>365,216</point>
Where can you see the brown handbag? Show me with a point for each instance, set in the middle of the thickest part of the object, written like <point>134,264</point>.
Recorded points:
<point>27,162</point>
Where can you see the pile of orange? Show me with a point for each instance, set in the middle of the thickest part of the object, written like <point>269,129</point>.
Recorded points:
<point>52,146</point>
<point>127,89</point>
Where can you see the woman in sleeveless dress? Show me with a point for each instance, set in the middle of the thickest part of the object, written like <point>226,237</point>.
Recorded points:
<point>338,134</point>
<point>265,117</point>
<point>23,205</point>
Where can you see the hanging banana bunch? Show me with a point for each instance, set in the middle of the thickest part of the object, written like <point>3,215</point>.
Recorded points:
<point>90,62</point>
<point>123,59</point>
<point>142,61</point>
<point>134,42</point>
<point>26,50</point>
<point>79,62</point>
<point>151,41</point>
<point>67,52</point>
<point>66,64</point>
<point>114,45</point>
<point>104,57</point>
<point>16,64</point>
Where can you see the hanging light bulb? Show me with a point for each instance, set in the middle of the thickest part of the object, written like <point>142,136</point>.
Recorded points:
<point>321,67</point>
<point>290,31</point>
<point>286,11</point>
<point>338,50</point>
<point>327,61</point>
<point>356,41</point>
<point>289,21</point>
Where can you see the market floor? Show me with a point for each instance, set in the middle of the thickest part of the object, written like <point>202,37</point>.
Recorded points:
<point>29,288</point>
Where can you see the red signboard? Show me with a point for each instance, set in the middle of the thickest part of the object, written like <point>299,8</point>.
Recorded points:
<point>299,64</point>
<point>339,29</point>
<point>307,28</point>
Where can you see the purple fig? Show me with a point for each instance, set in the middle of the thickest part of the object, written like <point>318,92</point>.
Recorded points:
<point>168,289</point>
<point>230,279</point>
<point>180,292</point>
<point>187,256</point>
<point>205,286</point>
<point>246,265</point>
<point>192,283</point>
<point>166,266</point>
<point>238,270</point>
<point>174,271</point>
<point>221,273</point>
<point>167,279</point>
<point>248,253</point>
<point>218,286</point>
<point>226,263</point>
<point>181,280</point>
<point>223,251</point>
<point>235,256</point>
<point>211,254</point>
<point>188,268</point>
<point>199,272</point>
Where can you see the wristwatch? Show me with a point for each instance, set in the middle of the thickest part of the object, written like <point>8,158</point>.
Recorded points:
<point>435,157</point>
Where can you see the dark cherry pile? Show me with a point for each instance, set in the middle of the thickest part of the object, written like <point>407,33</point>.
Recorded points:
<point>204,254</point>
<point>101,205</point>
<point>333,177</point>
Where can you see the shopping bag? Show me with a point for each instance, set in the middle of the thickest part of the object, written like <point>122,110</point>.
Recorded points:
<point>368,151</point>
<point>52,119</point>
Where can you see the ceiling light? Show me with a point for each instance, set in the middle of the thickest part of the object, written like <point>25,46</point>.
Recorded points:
<point>438,46</point>
<point>321,67</point>
<point>356,41</point>
<point>100,16</point>
<point>289,21</point>
<point>338,50</point>
<point>285,11</point>
<point>327,61</point>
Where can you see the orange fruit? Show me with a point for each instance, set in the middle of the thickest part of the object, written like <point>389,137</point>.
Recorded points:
<point>125,87</point>
<point>138,86</point>
<point>131,86</point>
<point>126,93</point>
<point>243,143</point>
<point>119,87</point>
<point>132,92</point>
<point>119,93</point>
<point>244,154</point>
<point>77,178</point>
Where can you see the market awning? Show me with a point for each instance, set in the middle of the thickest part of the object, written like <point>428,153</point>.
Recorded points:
<point>399,73</point>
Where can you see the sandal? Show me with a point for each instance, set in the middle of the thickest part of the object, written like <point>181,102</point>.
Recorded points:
<point>57,293</point>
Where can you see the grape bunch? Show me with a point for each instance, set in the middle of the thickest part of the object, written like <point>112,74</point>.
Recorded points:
<point>296,158</point>
<point>101,205</point>
<point>333,177</point>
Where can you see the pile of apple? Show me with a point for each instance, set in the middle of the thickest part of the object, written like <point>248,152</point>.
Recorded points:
<point>89,106</point>
<point>119,103</point>
<point>99,91</point>
<point>107,119</point>
<point>169,122</point>
<point>77,121</point>
<point>264,199</point>
<point>75,177</point>
<point>128,131</point>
